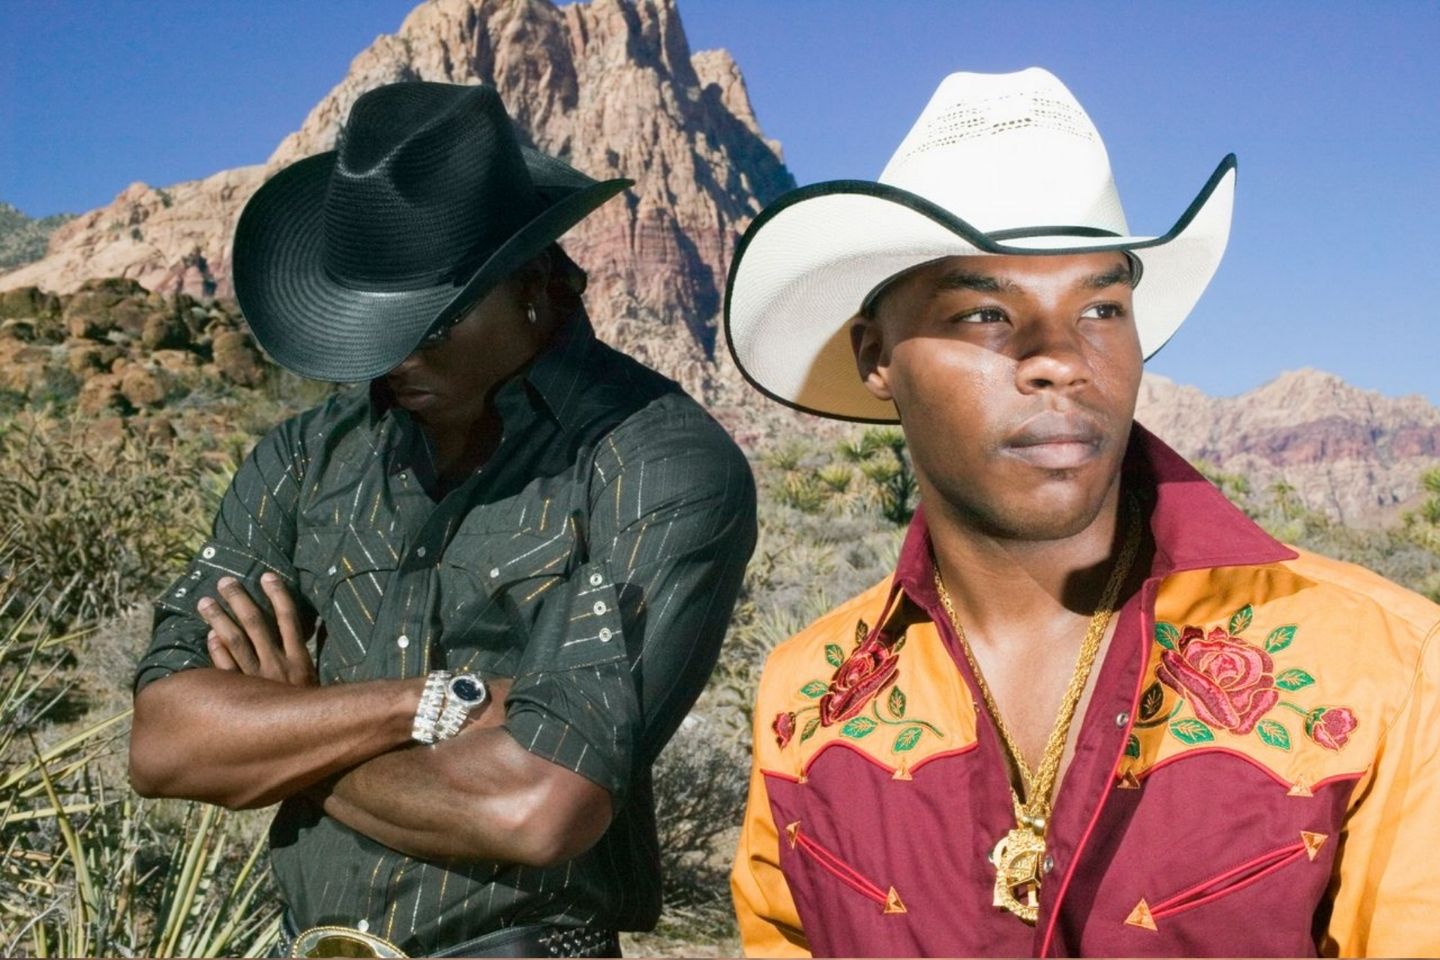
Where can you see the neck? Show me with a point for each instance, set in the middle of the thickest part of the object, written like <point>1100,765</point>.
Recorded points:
<point>1008,588</point>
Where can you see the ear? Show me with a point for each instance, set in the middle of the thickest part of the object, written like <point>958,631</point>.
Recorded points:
<point>872,360</point>
<point>532,280</point>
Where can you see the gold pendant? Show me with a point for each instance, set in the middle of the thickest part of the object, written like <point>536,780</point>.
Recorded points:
<point>1017,859</point>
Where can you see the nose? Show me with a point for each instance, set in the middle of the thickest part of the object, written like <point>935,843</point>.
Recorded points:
<point>1050,356</point>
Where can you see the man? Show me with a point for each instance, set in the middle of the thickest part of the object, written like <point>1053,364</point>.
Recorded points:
<point>520,546</point>
<point>1095,710</point>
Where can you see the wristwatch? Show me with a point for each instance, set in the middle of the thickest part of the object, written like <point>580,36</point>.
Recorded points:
<point>466,692</point>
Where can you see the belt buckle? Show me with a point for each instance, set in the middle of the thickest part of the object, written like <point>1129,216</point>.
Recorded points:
<point>337,941</point>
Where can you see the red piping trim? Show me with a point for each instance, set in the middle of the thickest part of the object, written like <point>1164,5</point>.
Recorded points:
<point>1148,592</point>
<point>1248,759</point>
<point>946,753</point>
<point>792,778</point>
<point>1174,904</point>
<point>838,868</point>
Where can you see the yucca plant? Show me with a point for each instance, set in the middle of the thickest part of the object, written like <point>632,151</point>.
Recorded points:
<point>86,868</point>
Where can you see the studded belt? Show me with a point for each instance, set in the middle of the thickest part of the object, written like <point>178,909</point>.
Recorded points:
<point>527,941</point>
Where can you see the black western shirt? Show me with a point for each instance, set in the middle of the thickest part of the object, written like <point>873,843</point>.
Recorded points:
<point>595,559</point>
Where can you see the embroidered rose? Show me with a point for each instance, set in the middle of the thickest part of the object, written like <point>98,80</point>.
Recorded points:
<point>1229,680</point>
<point>870,668</point>
<point>1331,726</point>
<point>784,727</point>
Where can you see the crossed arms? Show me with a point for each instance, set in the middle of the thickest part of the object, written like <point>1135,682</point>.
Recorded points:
<point>244,722</point>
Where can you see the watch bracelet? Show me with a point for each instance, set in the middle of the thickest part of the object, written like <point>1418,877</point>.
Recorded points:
<point>430,707</point>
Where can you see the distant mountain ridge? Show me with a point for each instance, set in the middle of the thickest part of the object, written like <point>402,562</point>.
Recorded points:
<point>1354,454</point>
<point>612,86</point>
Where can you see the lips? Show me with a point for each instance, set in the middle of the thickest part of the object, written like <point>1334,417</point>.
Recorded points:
<point>1056,441</point>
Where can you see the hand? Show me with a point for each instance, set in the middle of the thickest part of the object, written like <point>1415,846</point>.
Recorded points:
<point>244,639</point>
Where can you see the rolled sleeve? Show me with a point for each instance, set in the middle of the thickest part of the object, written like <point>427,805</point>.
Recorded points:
<point>254,533</point>
<point>620,654</point>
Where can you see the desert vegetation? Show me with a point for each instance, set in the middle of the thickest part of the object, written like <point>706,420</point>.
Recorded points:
<point>100,507</point>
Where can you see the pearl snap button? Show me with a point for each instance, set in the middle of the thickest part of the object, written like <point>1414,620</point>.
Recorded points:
<point>331,571</point>
<point>596,579</point>
<point>1048,865</point>
<point>208,552</point>
<point>419,551</point>
<point>181,592</point>
<point>402,641</point>
<point>196,575</point>
<point>494,572</point>
<point>1121,719</point>
<point>599,607</point>
<point>605,634</point>
<point>363,925</point>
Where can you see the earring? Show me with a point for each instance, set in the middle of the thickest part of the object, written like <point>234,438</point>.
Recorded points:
<point>530,314</point>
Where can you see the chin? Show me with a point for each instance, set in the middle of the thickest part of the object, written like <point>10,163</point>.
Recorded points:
<point>1055,511</point>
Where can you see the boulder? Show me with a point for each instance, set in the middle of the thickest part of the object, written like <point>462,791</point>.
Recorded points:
<point>175,361</point>
<point>165,331</point>
<point>101,395</point>
<point>28,302</point>
<point>142,387</point>
<point>86,359</point>
<point>237,359</point>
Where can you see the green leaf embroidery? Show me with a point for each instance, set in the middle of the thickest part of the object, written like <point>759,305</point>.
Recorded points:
<point>1132,747</point>
<point>1280,638</point>
<point>1294,679</point>
<point>814,689</point>
<point>908,738</point>
<point>859,727</point>
<point>896,703</point>
<point>834,655</point>
<point>1274,733</point>
<point>1190,730</point>
<point>1167,635</point>
<point>810,729</point>
<point>1241,619</point>
<point>1151,701</point>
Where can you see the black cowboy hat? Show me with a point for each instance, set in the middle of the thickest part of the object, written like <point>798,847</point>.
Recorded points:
<point>344,261</point>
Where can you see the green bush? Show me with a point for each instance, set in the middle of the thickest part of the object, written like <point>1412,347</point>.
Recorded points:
<point>96,524</point>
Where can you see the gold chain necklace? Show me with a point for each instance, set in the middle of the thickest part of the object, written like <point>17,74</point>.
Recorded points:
<point>1019,855</point>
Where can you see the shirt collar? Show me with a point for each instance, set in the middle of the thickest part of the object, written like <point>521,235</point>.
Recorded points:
<point>554,379</point>
<point>1193,525</point>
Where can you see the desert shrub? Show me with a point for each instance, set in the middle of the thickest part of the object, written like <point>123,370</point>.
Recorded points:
<point>86,868</point>
<point>96,524</point>
<point>700,784</point>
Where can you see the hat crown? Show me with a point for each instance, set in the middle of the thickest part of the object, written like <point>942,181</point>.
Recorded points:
<point>429,179</point>
<point>1010,153</point>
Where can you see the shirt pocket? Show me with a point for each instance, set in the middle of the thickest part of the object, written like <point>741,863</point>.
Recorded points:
<point>344,572</point>
<point>1223,883</point>
<point>491,583</point>
<point>843,888</point>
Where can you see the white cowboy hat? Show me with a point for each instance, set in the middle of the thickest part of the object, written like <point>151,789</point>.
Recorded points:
<point>996,164</point>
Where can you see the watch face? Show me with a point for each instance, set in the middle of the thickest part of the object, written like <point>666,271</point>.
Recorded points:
<point>468,689</point>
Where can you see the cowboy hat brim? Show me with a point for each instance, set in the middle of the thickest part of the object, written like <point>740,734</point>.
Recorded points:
<point>310,323</point>
<point>807,262</point>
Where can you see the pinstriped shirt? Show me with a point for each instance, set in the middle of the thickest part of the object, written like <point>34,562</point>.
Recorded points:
<point>595,559</point>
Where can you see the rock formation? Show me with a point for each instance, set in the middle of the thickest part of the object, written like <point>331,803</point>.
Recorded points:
<point>611,86</point>
<point>1353,454</point>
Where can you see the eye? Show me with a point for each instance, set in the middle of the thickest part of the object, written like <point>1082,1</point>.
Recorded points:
<point>1103,311</point>
<point>983,315</point>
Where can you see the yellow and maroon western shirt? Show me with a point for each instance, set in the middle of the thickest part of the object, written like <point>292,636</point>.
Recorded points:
<point>1256,773</point>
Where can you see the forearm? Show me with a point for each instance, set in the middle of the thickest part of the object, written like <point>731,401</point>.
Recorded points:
<point>480,796</point>
<point>240,741</point>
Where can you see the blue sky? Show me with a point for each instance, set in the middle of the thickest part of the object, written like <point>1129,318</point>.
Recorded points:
<point>1331,107</point>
